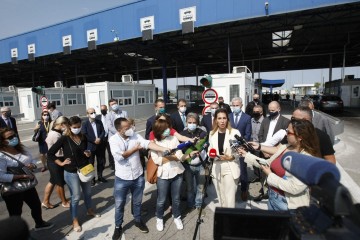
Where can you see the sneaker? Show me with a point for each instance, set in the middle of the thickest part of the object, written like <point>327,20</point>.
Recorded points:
<point>142,227</point>
<point>117,233</point>
<point>159,224</point>
<point>43,226</point>
<point>178,223</point>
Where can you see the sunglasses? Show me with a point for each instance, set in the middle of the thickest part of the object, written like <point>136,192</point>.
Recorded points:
<point>92,113</point>
<point>45,114</point>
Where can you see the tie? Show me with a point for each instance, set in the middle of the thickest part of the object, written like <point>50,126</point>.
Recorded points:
<point>183,119</point>
<point>8,123</point>
<point>236,119</point>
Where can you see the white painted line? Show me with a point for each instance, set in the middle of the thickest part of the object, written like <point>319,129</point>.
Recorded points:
<point>21,130</point>
<point>26,140</point>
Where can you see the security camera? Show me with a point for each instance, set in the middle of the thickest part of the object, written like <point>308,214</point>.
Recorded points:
<point>266,5</point>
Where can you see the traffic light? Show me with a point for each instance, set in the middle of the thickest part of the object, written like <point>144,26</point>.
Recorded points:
<point>38,90</point>
<point>206,81</point>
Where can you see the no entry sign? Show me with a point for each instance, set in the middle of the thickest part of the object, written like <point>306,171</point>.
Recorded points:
<point>206,110</point>
<point>44,102</point>
<point>209,96</point>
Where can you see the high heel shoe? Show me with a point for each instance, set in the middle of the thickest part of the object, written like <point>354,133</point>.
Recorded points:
<point>48,206</point>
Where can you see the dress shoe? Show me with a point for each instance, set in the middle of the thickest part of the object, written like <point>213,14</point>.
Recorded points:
<point>244,196</point>
<point>101,179</point>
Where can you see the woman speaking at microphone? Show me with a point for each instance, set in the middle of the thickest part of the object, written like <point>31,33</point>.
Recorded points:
<point>285,190</point>
<point>226,168</point>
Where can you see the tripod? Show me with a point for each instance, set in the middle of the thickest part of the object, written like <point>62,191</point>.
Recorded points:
<point>207,178</point>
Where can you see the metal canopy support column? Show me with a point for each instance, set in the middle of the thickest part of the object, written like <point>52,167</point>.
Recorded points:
<point>76,77</point>
<point>252,68</point>
<point>152,76</point>
<point>330,69</point>
<point>197,75</point>
<point>165,96</point>
<point>137,68</point>
<point>228,50</point>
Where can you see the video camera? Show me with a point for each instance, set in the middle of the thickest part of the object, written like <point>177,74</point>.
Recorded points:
<point>331,214</point>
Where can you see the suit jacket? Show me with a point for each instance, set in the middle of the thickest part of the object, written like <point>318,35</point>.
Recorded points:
<point>149,123</point>
<point>321,122</point>
<point>282,123</point>
<point>88,131</point>
<point>13,124</point>
<point>250,107</point>
<point>244,125</point>
<point>206,121</point>
<point>234,164</point>
<point>111,117</point>
<point>98,117</point>
<point>177,122</point>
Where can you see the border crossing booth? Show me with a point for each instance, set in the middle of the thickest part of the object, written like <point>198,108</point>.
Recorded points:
<point>69,101</point>
<point>135,98</point>
<point>191,93</point>
<point>237,84</point>
<point>9,98</point>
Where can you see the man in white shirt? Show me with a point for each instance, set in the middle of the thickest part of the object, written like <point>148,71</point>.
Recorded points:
<point>129,174</point>
<point>114,113</point>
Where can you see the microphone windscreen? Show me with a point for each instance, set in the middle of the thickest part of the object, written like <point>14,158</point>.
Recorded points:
<point>184,145</point>
<point>308,169</point>
<point>212,153</point>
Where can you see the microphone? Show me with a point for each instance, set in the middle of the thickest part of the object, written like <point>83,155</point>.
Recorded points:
<point>212,153</point>
<point>243,142</point>
<point>181,146</point>
<point>308,169</point>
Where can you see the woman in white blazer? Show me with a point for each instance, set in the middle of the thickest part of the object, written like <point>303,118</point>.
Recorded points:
<point>226,167</point>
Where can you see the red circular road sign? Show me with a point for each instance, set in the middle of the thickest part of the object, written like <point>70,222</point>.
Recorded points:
<point>209,96</point>
<point>44,101</point>
<point>206,110</point>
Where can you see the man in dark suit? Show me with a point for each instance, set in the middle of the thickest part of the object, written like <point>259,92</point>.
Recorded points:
<point>242,122</point>
<point>273,123</point>
<point>159,109</point>
<point>256,101</point>
<point>7,121</point>
<point>94,131</point>
<point>178,118</point>
<point>224,105</point>
<point>207,120</point>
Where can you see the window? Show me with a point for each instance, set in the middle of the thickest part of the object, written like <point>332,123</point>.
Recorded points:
<point>71,99</point>
<point>79,98</point>
<point>124,97</point>
<point>234,91</point>
<point>56,98</point>
<point>281,39</point>
<point>8,101</point>
<point>140,96</point>
<point>144,96</point>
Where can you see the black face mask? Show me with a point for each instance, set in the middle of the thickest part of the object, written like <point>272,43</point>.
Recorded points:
<point>256,100</point>
<point>273,114</point>
<point>103,112</point>
<point>256,115</point>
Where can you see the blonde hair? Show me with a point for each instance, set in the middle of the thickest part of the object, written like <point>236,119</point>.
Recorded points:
<point>61,120</point>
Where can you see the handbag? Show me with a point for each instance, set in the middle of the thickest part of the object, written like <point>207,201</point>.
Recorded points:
<point>36,136</point>
<point>19,185</point>
<point>151,171</point>
<point>86,173</point>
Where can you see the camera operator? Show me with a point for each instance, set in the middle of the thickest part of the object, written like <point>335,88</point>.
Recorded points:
<point>285,190</point>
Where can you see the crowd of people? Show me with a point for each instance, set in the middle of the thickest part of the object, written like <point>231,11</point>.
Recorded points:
<point>68,145</point>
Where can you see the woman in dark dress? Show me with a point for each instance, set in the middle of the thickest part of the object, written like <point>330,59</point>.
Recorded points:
<point>44,127</point>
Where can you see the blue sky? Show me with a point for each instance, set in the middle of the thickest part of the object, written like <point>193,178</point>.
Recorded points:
<point>19,16</point>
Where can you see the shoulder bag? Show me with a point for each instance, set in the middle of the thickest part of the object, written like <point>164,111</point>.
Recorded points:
<point>36,136</point>
<point>151,171</point>
<point>86,173</point>
<point>19,185</point>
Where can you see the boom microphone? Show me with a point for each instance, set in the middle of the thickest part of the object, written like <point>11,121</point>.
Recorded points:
<point>243,142</point>
<point>308,169</point>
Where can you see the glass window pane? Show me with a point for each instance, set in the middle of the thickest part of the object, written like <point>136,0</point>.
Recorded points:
<point>72,95</point>
<point>117,93</point>
<point>55,96</point>
<point>141,93</point>
<point>79,98</point>
<point>127,93</point>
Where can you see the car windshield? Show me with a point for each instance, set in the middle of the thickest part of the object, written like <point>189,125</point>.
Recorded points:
<point>331,98</point>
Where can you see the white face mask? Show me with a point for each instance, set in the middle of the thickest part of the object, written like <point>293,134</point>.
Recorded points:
<point>182,109</point>
<point>115,107</point>
<point>213,110</point>
<point>92,116</point>
<point>46,118</point>
<point>129,132</point>
<point>76,131</point>
<point>192,126</point>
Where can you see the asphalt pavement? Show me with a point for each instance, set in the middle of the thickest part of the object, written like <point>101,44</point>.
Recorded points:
<point>102,228</point>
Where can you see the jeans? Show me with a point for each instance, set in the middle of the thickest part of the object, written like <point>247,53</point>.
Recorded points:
<point>195,180</point>
<point>163,187</point>
<point>277,202</point>
<point>74,184</point>
<point>121,189</point>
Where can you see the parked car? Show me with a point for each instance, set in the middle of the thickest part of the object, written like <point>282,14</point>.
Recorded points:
<point>331,103</point>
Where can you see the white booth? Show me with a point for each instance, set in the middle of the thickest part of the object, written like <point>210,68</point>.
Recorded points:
<point>137,99</point>
<point>9,98</point>
<point>69,101</point>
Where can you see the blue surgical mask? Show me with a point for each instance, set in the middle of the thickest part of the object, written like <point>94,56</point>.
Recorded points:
<point>236,110</point>
<point>192,126</point>
<point>161,110</point>
<point>115,107</point>
<point>166,133</point>
<point>13,142</point>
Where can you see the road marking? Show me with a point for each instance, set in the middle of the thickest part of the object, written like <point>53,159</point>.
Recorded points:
<point>25,129</point>
<point>27,140</point>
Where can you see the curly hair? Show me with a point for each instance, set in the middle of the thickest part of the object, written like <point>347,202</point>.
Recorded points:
<point>20,147</point>
<point>305,130</point>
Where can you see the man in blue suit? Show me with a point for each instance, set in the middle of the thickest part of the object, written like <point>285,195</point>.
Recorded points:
<point>178,118</point>
<point>94,131</point>
<point>242,122</point>
<point>207,120</point>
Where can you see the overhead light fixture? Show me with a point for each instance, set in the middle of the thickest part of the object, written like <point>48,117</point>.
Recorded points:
<point>185,41</point>
<point>116,38</point>
<point>289,49</point>
<point>210,56</point>
<point>298,27</point>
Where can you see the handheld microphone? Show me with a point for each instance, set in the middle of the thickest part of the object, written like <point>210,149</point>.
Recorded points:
<point>181,146</point>
<point>308,169</point>
<point>212,153</point>
<point>243,142</point>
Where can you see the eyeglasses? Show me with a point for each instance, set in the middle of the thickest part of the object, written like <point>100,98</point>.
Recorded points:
<point>92,113</point>
<point>10,137</point>
<point>289,133</point>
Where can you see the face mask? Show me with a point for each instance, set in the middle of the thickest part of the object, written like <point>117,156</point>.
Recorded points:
<point>166,133</point>
<point>103,112</point>
<point>236,110</point>
<point>192,126</point>
<point>273,114</point>
<point>213,110</point>
<point>182,109</point>
<point>76,131</point>
<point>161,110</point>
<point>46,118</point>
<point>63,129</point>
<point>115,107</point>
<point>92,116</point>
<point>7,114</point>
<point>256,100</point>
<point>221,102</point>
<point>134,128</point>
<point>256,115</point>
<point>13,142</point>
<point>129,132</point>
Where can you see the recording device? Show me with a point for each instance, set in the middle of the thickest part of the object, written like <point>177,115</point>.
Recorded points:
<point>331,214</point>
<point>201,156</point>
<point>181,146</point>
<point>247,146</point>
<point>262,162</point>
<point>213,153</point>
